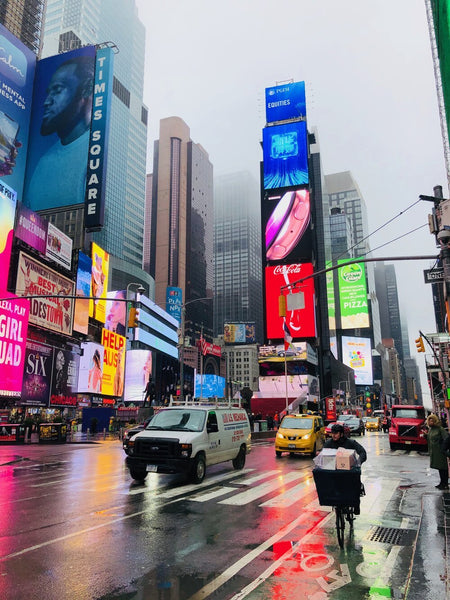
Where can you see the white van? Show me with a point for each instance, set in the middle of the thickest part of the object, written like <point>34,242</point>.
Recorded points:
<point>186,438</point>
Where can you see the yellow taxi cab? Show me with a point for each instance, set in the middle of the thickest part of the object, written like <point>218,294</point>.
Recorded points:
<point>373,424</point>
<point>300,434</point>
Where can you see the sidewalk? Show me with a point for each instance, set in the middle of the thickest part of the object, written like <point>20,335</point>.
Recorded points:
<point>430,568</point>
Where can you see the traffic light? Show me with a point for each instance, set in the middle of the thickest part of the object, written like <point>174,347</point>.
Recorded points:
<point>419,344</point>
<point>133,317</point>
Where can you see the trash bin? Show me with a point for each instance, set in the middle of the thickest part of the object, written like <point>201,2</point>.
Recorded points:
<point>52,433</point>
<point>256,426</point>
<point>262,425</point>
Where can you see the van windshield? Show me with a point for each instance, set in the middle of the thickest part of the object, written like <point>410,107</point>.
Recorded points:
<point>294,423</point>
<point>178,419</point>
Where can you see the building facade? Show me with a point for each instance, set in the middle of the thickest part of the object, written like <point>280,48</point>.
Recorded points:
<point>24,18</point>
<point>70,25</point>
<point>181,223</point>
<point>237,252</point>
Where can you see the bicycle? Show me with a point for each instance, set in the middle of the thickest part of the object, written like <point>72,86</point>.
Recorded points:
<point>341,490</point>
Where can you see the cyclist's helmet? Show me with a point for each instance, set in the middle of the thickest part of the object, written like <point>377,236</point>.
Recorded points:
<point>337,428</point>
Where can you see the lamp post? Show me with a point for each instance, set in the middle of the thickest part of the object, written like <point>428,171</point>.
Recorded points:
<point>140,290</point>
<point>182,328</point>
<point>345,388</point>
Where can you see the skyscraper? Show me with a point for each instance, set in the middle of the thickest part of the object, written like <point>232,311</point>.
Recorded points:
<point>23,18</point>
<point>181,253</point>
<point>237,252</point>
<point>69,25</point>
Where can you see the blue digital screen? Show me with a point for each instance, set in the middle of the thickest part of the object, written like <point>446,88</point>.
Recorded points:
<point>285,102</point>
<point>285,153</point>
<point>212,385</point>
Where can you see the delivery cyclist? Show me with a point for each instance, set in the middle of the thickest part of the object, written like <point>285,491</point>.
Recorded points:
<point>338,440</point>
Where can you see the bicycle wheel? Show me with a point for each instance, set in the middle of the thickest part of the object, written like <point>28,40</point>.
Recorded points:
<point>340,525</point>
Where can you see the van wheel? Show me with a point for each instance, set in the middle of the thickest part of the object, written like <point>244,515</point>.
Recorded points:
<point>314,451</point>
<point>198,469</point>
<point>239,461</point>
<point>278,453</point>
<point>138,474</point>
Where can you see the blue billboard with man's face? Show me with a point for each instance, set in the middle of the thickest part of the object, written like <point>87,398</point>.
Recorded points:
<point>284,102</point>
<point>17,67</point>
<point>60,130</point>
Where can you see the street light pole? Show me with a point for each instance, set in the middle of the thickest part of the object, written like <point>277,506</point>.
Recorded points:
<point>182,328</point>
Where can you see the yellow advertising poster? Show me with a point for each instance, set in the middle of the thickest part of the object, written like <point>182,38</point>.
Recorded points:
<point>99,283</point>
<point>113,363</point>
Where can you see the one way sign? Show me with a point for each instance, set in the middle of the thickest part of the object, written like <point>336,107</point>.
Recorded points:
<point>433,275</point>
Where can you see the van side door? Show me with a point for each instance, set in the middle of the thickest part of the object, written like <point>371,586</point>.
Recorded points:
<point>214,451</point>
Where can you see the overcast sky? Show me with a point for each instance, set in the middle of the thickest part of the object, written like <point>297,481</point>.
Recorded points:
<point>370,91</point>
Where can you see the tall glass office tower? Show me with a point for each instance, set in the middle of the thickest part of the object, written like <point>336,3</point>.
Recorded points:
<point>70,24</point>
<point>237,252</point>
<point>23,18</point>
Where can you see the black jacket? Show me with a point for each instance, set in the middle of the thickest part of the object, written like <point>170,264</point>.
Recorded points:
<point>349,444</point>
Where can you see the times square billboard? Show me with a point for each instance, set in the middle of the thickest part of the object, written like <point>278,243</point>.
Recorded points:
<point>300,322</point>
<point>285,155</point>
<point>17,69</point>
<point>287,101</point>
<point>69,132</point>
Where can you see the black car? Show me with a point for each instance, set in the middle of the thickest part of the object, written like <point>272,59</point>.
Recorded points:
<point>128,433</point>
<point>355,425</point>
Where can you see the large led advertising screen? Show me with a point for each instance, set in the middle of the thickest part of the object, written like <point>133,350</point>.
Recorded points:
<point>13,336</point>
<point>137,374</point>
<point>285,155</point>
<point>441,20</point>
<point>285,102</point>
<point>81,312</point>
<point>300,322</point>
<point>286,220</point>
<point>37,374</point>
<point>209,386</point>
<point>64,378</point>
<point>53,310</point>
<point>60,130</point>
<point>17,67</point>
<point>113,363</point>
<point>90,374</point>
<point>239,333</point>
<point>353,296</point>
<point>8,201</point>
<point>357,354</point>
<point>99,283</point>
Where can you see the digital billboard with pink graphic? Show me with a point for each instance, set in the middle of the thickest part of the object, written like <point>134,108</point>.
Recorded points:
<point>8,201</point>
<point>13,338</point>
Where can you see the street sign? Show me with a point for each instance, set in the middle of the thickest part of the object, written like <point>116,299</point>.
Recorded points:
<point>433,275</point>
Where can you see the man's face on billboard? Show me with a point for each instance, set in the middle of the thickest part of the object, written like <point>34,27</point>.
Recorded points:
<point>63,103</point>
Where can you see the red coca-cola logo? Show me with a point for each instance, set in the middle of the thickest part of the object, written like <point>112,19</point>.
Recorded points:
<point>287,269</point>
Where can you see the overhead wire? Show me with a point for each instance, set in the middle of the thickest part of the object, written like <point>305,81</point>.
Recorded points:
<point>380,228</point>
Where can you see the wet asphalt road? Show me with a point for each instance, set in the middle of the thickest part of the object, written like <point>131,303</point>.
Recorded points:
<point>74,525</point>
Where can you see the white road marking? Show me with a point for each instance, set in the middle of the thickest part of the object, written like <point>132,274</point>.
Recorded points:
<point>291,496</point>
<point>216,583</point>
<point>222,491</point>
<point>261,490</point>
<point>273,567</point>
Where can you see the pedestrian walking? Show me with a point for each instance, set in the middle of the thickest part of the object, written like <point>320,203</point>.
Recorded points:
<point>437,437</point>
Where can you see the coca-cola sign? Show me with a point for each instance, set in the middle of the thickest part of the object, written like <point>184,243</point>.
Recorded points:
<point>300,322</point>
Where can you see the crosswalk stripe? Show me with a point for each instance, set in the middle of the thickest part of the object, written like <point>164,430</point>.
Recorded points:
<point>180,491</point>
<point>290,497</point>
<point>261,490</point>
<point>211,495</point>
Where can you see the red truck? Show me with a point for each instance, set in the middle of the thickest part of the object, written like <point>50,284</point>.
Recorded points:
<point>407,427</point>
